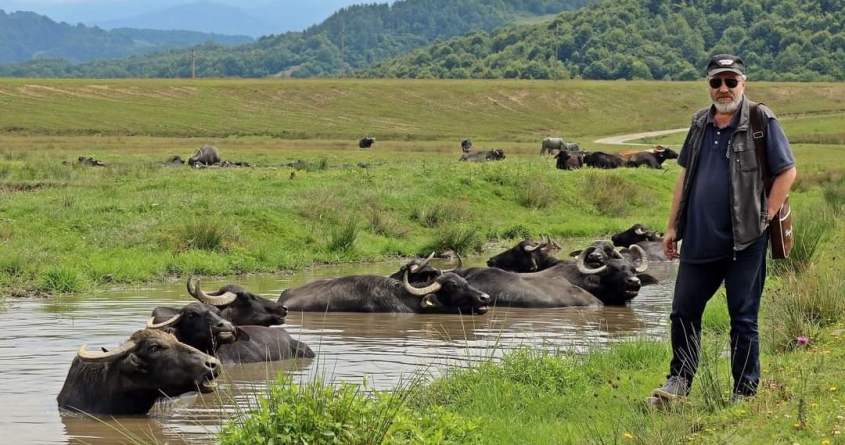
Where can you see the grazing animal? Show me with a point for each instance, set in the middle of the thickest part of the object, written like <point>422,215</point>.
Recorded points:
<point>201,326</point>
<point>569,160</point>
<point>651,159</point>
<point>496,154</point>
<point>204,156</point>
<point>128,380</point>
<point>599,159</point>
<point>466,145</point>
<point>448,293</point>
<point>239,305</point>
<point>366,142</point>
<point>551,145</point>
<point>90,162</point>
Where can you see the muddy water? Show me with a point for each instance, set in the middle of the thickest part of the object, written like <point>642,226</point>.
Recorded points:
<point>40,339</point>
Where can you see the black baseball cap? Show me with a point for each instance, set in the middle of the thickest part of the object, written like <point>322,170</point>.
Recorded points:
<point>722,63</point>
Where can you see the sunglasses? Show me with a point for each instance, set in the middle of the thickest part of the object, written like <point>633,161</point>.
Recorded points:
<point>717,83</point>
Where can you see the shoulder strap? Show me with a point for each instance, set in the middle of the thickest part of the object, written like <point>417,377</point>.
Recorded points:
<point>759,125</point>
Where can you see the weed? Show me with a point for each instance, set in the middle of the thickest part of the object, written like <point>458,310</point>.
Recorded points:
<point>535,193</point>
<point>60,280</point>
<point>343,237</point>
<point>203,234</point>
<point>462,240</point>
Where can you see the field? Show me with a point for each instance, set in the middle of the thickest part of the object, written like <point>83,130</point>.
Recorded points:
<point>67,228</point>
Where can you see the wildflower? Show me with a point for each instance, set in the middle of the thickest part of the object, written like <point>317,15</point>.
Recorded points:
<point>826,442</point>
<point>802,341</point>
<point>629,436</point>
<point>832,389</point>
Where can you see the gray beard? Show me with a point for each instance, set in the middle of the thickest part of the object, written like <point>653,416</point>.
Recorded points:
<point>729,107</point>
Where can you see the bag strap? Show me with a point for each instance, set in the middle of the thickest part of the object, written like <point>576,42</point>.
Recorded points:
<point>759,125</point>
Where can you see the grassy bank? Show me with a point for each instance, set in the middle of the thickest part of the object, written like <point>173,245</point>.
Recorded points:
<point>68,228</point>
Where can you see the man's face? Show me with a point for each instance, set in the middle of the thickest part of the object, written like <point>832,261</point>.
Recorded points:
<point>725,97</point>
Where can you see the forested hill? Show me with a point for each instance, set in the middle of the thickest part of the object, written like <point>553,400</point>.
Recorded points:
<point>800,40</point>
<point>27,36</point>
<point>358,35</point>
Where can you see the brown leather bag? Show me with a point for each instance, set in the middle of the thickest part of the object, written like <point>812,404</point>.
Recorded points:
<point>780,227</point>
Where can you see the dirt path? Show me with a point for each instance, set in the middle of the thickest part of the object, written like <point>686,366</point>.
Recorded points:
<point>622,140</point>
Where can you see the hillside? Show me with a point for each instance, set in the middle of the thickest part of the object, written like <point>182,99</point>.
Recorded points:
<point>358,35</point>
<point>27,36</point>
<point>645,39</point>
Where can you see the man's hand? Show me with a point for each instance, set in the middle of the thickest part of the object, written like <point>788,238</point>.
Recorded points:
<point>670,245</point>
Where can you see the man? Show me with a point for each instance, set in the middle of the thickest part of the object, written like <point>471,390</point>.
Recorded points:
<point>720,209</point>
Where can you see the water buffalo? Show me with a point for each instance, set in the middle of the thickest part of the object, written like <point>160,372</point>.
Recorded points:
<point>239,305</point>
<point>206,155</point>
<point>599,159</point>
<point>612,278</point>
<point>569,161</point>
<point>88,161</point>
<point>128,380</point>
<point>174,161</point>
<point>651,159</point>
<point>496,154</point>
<point>448,293</point>
<point>466,145</point>
<point>366,142</point>
<point>650,241</point>
<point>201,326</point>
<point>527,290</point>
<point>550,144</point>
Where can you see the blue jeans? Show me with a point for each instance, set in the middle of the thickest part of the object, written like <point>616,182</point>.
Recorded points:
<point>696,284</point>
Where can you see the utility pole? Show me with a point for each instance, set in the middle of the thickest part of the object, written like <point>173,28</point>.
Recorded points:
<point>193,64</point>
<point>342,41</point>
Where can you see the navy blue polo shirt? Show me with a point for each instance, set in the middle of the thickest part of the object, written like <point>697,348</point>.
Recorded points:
<point>708,234</point>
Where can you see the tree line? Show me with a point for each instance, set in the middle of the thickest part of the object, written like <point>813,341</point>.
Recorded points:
<point>354,37</point>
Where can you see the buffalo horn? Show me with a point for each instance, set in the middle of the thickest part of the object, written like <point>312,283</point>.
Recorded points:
<point>639,231</point>
<point>219,300</point>
<point>420,292</point>
<point>460,265</point>
<point>643,258</point>
<point>163,324</point>
<point>91,356</point>
<point>417,267</point>
<point>579,263</point>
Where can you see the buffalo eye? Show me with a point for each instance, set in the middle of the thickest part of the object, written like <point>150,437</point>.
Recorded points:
<point>153,349</point>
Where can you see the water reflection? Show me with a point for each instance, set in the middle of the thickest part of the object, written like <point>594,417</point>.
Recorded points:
<point>41,338</point>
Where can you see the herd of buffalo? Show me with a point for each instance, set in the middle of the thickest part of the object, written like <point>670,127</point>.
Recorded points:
<point>183,348</point>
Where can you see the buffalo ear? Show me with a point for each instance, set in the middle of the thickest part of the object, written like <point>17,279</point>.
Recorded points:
<point>646,279</point>
<point>132,365</point>
<point>575,253</point>
<point>240,335</point>
<point>430,301</point>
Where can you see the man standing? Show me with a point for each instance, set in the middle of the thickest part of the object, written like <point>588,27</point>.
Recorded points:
<point>721,210</point>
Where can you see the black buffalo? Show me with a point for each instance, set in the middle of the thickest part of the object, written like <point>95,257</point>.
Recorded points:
<point>600,159</point>
<point>366,142</point>
<point>569,160</point>
<point>528,290</point>
<point>466,145</point>
<point>496,154</point>
<point>128,380</point>
<point>88,161</point>
<point>201,326</point>
<point>651,159</point>
<point>174,161</point>
<point>239,305</point>
<point>648,240</point>
<point>204,156</point>
<point>448,293</point>
<point>612,278</point>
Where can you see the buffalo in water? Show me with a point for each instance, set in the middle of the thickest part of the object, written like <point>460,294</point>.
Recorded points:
<point>651,159</point>
<point>204,156</point>
<point>366,142</point>
<point>201,326</point>
<point>447,293</point>
<point>648,240</point>
<point>599,159</point>
<point>128,380</point>
<point>239,305</point>
<point>496,154</point>
<point>466,145</point>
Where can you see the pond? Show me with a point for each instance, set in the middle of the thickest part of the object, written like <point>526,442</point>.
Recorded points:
<point>42,336</point>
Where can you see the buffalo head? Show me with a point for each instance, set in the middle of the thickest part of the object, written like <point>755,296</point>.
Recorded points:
<point>527,256</point>
<point>196,324</point>
<point>239,305</point>
<point>450,293</point>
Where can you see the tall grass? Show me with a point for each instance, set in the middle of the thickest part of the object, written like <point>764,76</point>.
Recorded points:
<point>461,239</point>
<point>203,234</point>
<point>342,238</point>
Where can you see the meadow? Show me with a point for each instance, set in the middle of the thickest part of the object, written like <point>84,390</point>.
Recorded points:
<point>312,196</point>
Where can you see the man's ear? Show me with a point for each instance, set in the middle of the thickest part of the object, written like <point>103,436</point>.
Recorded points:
<point>132,365</point>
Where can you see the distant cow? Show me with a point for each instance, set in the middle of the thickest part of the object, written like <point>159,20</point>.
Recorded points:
<point>651,159</point>
<point>204,156</point>
<point>599,159</point>
<point>366,142</point>
<point>497,154</point>
<point>90,162</point>
<point>466,145</point>
<point>550,144</point>
<point>569,161</point>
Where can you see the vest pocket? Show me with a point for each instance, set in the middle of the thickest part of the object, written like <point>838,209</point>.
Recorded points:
<point>745,157</point>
